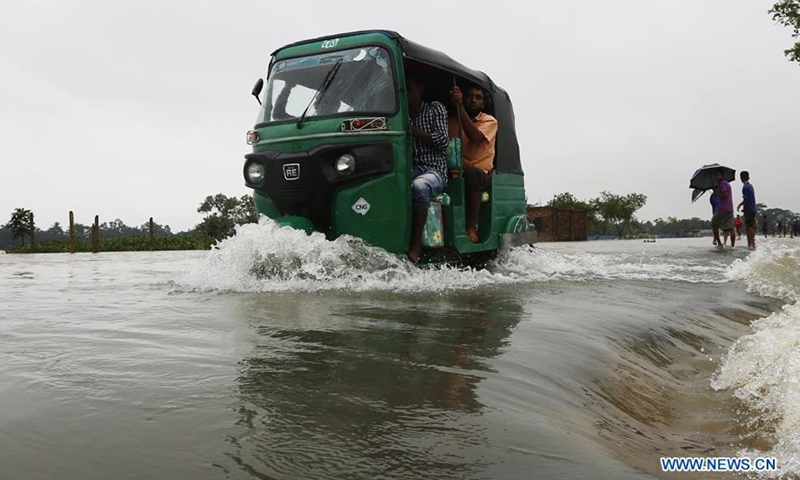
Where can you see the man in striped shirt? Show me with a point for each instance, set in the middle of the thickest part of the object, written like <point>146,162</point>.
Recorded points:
<point>429,131</point>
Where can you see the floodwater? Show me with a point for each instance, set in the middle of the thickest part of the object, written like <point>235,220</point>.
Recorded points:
<point>281,356</point>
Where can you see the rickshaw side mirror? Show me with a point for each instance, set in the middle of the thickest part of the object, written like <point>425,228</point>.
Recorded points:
<point>257,89</point>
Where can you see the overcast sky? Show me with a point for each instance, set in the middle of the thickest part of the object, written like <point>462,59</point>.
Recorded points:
<point>139,108</point>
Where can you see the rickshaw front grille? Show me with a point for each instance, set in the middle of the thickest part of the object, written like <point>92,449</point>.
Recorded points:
<point>297,193</point>
<point>311,191</point>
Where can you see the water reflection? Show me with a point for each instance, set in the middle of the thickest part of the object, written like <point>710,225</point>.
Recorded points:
<point>653,398</point>
<point>367,387</point>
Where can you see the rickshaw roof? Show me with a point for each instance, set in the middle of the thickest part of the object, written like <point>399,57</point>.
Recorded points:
<point>508,159</point>
<point>415,51</point>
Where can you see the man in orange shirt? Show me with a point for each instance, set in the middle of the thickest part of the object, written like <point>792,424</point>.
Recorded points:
<point>478,131</point>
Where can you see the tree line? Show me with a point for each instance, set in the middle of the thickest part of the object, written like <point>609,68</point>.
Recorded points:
<point>221,215</point>
<point>608,214</point>
<point>614,215</point>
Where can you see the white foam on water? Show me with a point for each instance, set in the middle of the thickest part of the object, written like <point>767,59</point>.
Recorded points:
<point>763,369</point>
<point>543,264</point>
<point>264,257</point>
<point>773,270</point>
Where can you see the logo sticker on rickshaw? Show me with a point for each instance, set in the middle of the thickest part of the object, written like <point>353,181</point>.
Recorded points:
<point>330,43</point>
<point>291,171</point>
<point>361,206</point>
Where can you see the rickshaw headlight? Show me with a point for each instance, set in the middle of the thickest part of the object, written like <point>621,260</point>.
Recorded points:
<point>345,165</point>
<point>255,173</point>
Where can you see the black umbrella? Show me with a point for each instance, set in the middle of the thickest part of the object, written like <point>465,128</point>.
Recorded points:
<point>697,193</point>
<point>703,178</point>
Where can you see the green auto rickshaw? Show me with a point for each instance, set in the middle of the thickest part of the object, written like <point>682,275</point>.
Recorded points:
<point>332,149</point>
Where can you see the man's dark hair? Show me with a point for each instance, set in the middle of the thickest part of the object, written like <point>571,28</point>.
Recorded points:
<point>745,175</point>
<point>416,79</point>
<point>471,86</point>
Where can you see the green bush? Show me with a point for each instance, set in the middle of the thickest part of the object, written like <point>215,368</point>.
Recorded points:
<point>122,244</point>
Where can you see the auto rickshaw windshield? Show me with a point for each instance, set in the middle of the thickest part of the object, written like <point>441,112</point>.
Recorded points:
<point>362,84</point>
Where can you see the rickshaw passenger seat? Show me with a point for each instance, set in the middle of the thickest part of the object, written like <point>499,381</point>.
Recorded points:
<point>454,154</point>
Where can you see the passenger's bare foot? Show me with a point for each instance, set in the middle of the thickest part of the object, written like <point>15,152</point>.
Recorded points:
<point>472,234</point>
<point>414,254</point>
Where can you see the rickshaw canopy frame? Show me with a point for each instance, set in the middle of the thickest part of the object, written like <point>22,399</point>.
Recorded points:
<point>507,156</point>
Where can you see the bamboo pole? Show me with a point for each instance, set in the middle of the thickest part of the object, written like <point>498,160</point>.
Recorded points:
<point>71,232</point>
<point>152,242</point>
<point>33,233</point>
<point>96,235</point>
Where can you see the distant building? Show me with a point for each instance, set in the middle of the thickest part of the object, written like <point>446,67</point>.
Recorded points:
<point>559,224</point>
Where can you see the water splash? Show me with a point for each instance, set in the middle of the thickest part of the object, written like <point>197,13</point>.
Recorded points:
<point>265,257</point>
<point>763,369</point>
<point>771,271</point>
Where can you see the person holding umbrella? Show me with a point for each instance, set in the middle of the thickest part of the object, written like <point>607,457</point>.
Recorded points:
<point>715,201</point>
<point>723,218</point>
<point>707,178</point>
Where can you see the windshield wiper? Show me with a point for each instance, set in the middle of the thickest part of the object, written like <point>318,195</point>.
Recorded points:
<point>325,84</point>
